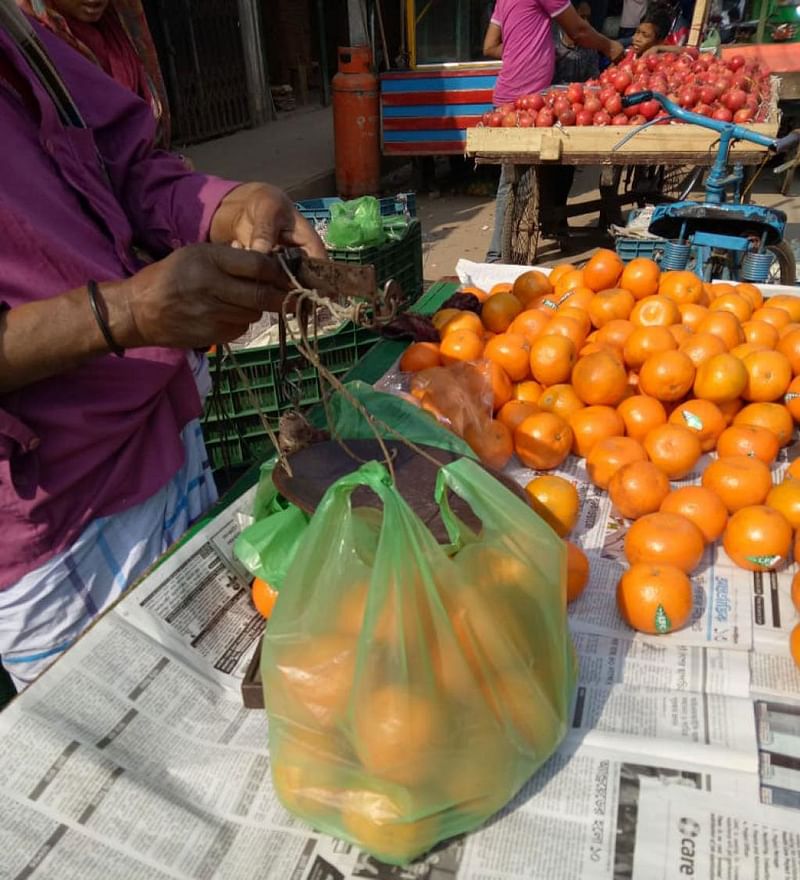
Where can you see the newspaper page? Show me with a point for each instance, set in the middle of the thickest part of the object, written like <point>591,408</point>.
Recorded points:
<point>778,726</point>
<point>687,832</point>
<point>198,600</point>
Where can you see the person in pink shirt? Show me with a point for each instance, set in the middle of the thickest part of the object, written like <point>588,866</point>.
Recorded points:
<point>520,34</point>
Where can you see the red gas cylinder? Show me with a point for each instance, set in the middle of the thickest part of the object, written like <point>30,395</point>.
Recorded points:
<point>356,124</point>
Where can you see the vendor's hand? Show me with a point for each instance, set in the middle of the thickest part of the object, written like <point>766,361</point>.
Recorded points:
<point>260,217</point>
<point>617,51</point>
<point>197,296</point>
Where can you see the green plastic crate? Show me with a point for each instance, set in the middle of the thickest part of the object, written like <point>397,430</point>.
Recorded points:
<point>234,434</point>
<point>400,260</point>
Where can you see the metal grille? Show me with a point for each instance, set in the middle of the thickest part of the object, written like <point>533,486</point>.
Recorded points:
<point>200,48</point>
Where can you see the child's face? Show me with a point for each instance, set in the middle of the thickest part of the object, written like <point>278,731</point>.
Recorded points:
<point>644,38</point>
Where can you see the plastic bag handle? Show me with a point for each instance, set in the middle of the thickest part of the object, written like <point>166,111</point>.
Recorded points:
<point>372,474</point>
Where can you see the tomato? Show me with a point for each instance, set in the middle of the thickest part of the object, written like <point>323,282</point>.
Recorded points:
<point>601,118</point>
<point>545,118</point>
<point>734,99</point>
<point>723,114</point>
<point>584,117</point>
<point>575,93</point>
<point>509,120</point>
<point>592,104</point>
<point>525,119</point>
<point>568,117</point>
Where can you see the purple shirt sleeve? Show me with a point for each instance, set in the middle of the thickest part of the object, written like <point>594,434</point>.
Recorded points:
<point>497,14</point>
<point>167,205</point>
<point>555,7</point>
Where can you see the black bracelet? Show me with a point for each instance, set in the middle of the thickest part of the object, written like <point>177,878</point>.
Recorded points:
<point>92,289</point>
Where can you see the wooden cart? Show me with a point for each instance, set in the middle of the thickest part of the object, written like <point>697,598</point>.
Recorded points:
<point>660,163</point>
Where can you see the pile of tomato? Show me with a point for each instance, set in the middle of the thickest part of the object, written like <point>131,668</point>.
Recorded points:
<point>641,374</point>
<point>731,90</point>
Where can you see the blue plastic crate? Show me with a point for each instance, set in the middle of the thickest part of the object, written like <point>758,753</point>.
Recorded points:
<point>630,248</point>
<point>320,209</point>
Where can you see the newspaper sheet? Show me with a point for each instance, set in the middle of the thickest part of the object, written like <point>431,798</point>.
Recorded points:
<point>133,756</point>
<point>684,832</point>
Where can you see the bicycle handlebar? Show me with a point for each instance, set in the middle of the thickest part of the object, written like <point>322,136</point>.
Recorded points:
<point>737,132</point>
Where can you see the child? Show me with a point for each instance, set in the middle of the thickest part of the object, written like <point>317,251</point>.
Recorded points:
<point>652,31</point>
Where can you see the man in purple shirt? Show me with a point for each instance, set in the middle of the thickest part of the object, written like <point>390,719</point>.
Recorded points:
<point>101,457</point>
<point>521,35</point>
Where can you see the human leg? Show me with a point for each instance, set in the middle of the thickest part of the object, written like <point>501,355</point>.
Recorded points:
<point>494,254</point>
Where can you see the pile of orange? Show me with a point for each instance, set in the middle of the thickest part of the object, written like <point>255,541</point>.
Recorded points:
<point>641,373</point>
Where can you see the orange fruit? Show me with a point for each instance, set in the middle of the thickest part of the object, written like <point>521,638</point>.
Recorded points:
<point>793,472</point>
<point>747,348</point>
<point>581,316</point>
<point>558,271</point>
<point>738,481</point>
<point>492,442</point>
<point>511,351</point>
<point>789,345</point>
<point>655,598</point>
<point>264,597</point>
<point>735,304</point>
<point>667,375</point>
<point>679,332</point>
<point>592,424</point>
<point>560,399</point>
<point>723,325</point>
<point>641,277</point>
<point>791,399</point>
<point>701,506</point>
<point>773,416</point>
<point>674,449</point>
<point>571,280</point>
<point>665,539</point>
<point>603,269</point>
<point>611,304</point>
<point>729,408</point>
<point>794,644</point>
<point>420,356</point>
<point>543,441</point>
<point>638,488</point>
<point>577,571</point>
<point>609,455</point>
<point>600,379</point>
<point>702,417</point>
<point>701,347</point>
<point>768,376</point>
<point>501,385</point>
<point>760,333</point>
<point>499,311</point>
<point>515,412</point>
<point>531,323</point>
<point>680,286</point>
<point>500,287</point>
<point>578,297</point>
<point>692,314</point>
<point>562,325</point>
<point>552,359</point>
<point>379,823</point>
<point>462,321</point>
<point>796,595</point>
<point>395,730</point>
<point>531,286</point>
<point>758,538</point>
<point>317,676</point>
<point>655,311</point>
<point>751,292</point>
<point>750,441</point>
<point>529,391</point>
<point>615,333</point>
<point>640,414</point>
<point>556,501</point>
<point>443,316</point>
<point>460,345</point>
<point>785,498</point>
<point>644,342</point>
<point>721,378</point>
<point>778,317</point>
<point>788,302</point>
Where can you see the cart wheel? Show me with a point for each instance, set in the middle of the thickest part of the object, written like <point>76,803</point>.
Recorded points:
<point>783,269</point>
<point>521,222</point>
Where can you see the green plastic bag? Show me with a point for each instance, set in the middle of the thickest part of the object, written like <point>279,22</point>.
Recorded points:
<point>408,420</point>
<point>357,223</point>
<point>412,689</point>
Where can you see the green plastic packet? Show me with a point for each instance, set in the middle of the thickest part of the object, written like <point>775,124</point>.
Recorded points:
<point>412,689</point>
<point>356,223</point>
